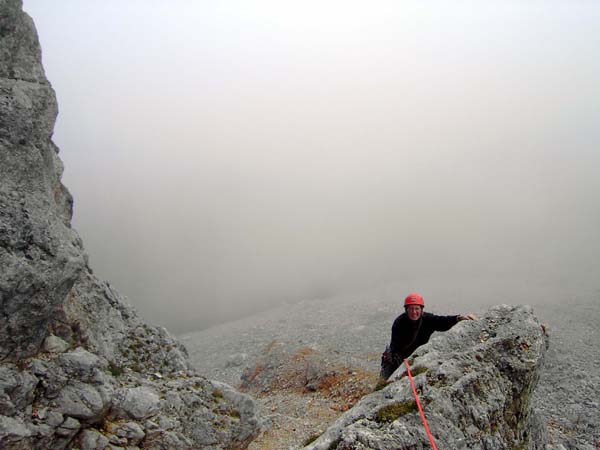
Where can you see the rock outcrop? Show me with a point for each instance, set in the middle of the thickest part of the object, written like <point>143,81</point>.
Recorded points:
<point>475,383</point>
<point>79,368</point>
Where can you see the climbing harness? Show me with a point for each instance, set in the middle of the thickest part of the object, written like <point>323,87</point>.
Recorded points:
<point>412,385</point>
<point>393,360</point>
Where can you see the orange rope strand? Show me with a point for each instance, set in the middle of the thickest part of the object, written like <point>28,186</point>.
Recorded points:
<point>412,385</point>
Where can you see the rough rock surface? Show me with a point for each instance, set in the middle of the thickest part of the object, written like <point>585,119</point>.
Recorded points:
<point>476,383</point>
<point>79,368</point>
<point>41,256</point>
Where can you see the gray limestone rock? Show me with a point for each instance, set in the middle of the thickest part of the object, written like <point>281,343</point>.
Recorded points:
<point>54,419</point>
<point>475,383</point>
<point>68,429</point>
<point>82,401</point>
<point>135,403</point>
<point>171,440</point>
<point>54,344</point>
<point>80,363</point>
<point>130,430</point>
<point>7,408</point>
<point>51,302</point>
<point>14,434</point>
<point>16,387</point>
<point>92,440</point>
<point>40,254</point>
<point>241,409</point>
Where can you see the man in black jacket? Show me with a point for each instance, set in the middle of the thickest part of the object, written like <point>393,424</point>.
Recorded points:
<point>413,329</point>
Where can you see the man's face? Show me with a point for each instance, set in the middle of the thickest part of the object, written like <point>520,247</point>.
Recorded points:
<point>414,312</point>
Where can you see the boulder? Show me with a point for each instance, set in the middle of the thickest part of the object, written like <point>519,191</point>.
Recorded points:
<point>54,344</point>
<point>135,403</point>
<point>92,440</point>
<point>16,388</point>
<point>14,434</point>
<point>82,401</point>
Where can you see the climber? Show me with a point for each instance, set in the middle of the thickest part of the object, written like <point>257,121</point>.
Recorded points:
<point>412,329</point>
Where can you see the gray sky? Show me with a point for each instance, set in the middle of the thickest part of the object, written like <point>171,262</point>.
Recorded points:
<point>229,156</point>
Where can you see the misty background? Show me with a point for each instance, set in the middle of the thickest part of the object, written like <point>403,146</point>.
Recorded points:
<point>226,157</point>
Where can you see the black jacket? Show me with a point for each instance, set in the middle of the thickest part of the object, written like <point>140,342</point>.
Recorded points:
<point>407,334</point>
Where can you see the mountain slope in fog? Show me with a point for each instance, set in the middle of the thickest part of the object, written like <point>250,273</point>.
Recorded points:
<point>354,329</point>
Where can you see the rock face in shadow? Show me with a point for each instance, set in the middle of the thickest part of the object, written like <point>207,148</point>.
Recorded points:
<point>475,383</point>
<point>41,256</point>
<point>79,368</point>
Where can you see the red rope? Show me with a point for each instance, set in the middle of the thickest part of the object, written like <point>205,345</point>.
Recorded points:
<point>412,385</point>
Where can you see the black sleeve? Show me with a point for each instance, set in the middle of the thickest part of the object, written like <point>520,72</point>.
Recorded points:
<point>442,323</point>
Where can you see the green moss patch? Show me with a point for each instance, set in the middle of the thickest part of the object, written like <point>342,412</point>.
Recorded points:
<point>393,411</point>
<point>418,370</point>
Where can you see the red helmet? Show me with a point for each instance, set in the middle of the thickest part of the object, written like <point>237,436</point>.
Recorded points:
<point>414,299</point>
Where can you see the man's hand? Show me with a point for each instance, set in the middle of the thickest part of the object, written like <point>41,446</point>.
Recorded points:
<point>467,317</point>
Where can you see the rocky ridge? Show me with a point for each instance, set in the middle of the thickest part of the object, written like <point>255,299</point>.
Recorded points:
<point>79,368</point>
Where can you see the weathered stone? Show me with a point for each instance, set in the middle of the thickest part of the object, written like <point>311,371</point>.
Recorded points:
<point>92,440</point>
<point>54,344</point>
<point>150,425</point>
<point>82,401</point>
<point>173,401</point>
<point>132,431</point>
<point>54,418</point>
<point>81,363</point>
<point>242,432</point>
<point>38,368</point>
<point>7,408</point>
<point>14,434</point>
<point>115,447</point>
<point>42,432</point>
<point>166,423</point>
<point>53,381</point>
<point>171,440</point>
<point>135,403</point>
<point>16,387</point>
<point>117,440</point>
<point>68,428</point>
<point>39,263</point>
<point>475,382</point>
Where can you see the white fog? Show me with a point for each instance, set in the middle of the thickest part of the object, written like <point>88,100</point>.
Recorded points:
<point>228,157</point>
